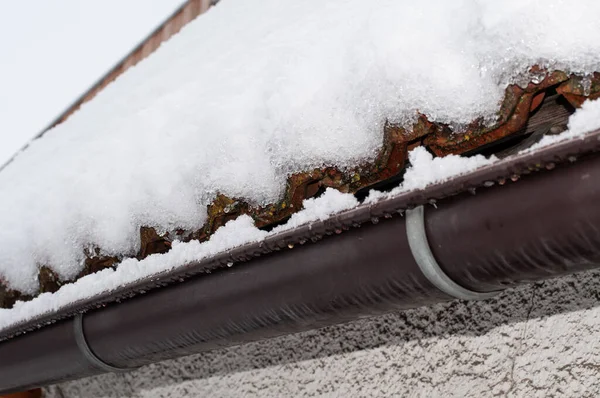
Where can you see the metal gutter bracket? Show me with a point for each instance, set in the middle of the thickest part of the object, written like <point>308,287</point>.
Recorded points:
<point>87,352</point>
<point>421,251</point>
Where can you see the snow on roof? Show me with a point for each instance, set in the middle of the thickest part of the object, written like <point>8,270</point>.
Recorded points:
<point>423,172</point>
<point>253,91</point>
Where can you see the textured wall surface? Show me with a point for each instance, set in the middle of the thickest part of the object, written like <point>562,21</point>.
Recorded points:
<point>535,341</point>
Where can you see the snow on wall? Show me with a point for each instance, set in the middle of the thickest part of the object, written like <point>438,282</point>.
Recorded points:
<point>534,341</point>
<point>255,90</point>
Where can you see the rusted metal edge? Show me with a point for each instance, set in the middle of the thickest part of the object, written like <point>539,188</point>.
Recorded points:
<point>509,170</point>
<point>421,250</point>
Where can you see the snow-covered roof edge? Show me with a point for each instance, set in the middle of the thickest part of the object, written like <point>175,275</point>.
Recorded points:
<point>281,98</point>
<point>427,174</point>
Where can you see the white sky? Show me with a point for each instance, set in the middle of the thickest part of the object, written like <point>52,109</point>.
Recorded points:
<point>53,51</point>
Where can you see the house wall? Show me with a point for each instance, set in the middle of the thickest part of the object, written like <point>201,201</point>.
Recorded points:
<point>535,341</point>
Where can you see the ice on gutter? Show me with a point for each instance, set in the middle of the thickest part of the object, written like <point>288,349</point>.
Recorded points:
<point>424,171</point>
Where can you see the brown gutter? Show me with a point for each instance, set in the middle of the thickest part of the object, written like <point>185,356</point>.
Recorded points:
<point>508,233</point>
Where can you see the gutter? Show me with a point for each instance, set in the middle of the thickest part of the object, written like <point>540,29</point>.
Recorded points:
<point>533,216</point>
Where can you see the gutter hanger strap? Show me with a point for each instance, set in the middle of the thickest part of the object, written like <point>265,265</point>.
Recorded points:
<point>421,251</point>
<point>86,350</point>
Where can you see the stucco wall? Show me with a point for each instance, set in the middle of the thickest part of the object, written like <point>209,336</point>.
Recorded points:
<point>535,341</point>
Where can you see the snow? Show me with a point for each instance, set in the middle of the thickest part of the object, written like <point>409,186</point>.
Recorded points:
<point>321,208</point>
<point>233,234</point>
<point>424,171</point>
<point>71,40</point>
<point>251,92</point>
<point>586,119</point>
